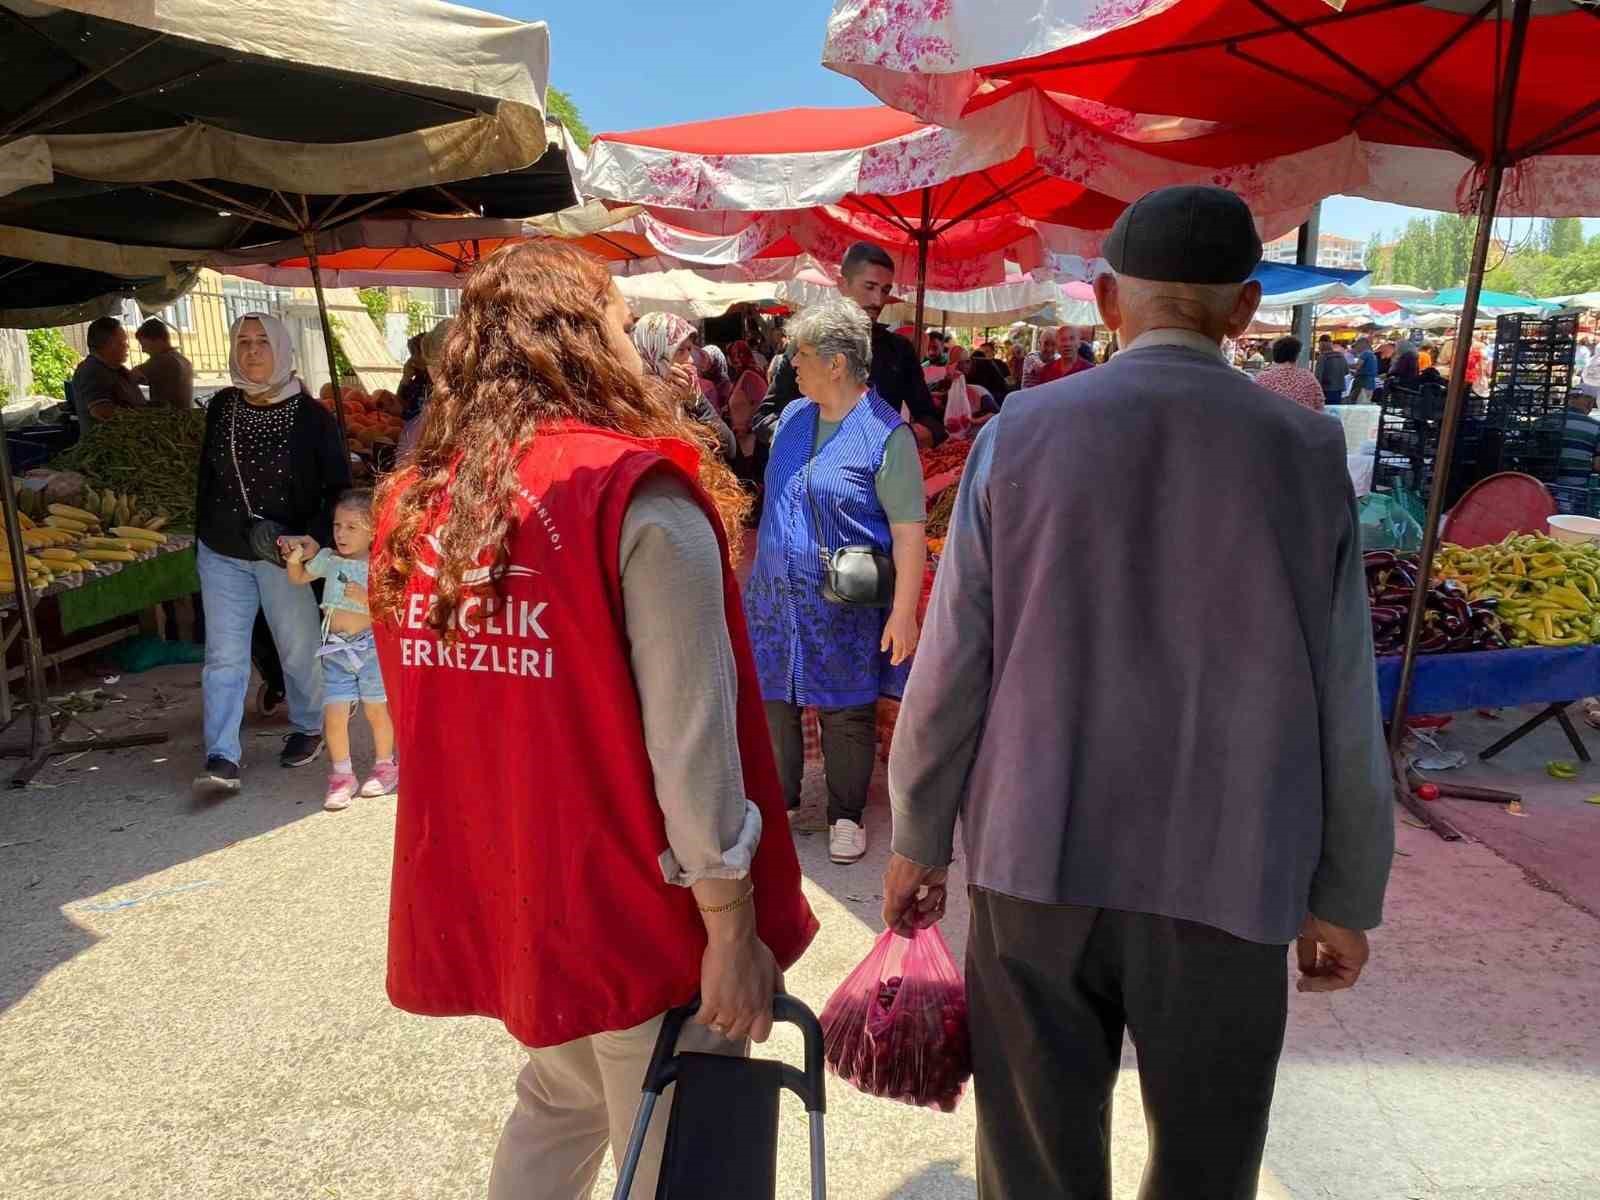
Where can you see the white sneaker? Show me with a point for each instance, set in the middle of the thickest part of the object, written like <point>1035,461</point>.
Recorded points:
<point>848,843</point>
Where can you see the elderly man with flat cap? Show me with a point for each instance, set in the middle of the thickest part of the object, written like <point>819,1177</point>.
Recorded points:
<point>1152,535</point>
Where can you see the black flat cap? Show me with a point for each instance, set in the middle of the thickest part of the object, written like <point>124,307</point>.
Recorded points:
<point>1185,235</point>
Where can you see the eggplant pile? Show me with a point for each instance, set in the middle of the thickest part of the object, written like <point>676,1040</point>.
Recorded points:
<point>1451,622</point>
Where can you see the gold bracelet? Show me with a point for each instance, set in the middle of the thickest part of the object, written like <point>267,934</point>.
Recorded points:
<point>732,904</point>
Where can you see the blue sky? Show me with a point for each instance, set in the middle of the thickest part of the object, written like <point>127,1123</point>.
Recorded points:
<point>682,62</point>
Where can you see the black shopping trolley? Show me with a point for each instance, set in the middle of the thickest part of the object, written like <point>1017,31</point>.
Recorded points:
<point>722,1138</point>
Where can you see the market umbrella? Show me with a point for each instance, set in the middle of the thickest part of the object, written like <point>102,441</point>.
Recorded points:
<point>1024,176</point>
<point>401,250</point>
<point>37,292</point>
<point>1468,104</point>
<point>208,126</point>
<point>1489,304</point>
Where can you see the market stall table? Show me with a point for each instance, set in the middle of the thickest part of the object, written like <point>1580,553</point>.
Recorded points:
<point>1557,676</point>
<point>88,600</point>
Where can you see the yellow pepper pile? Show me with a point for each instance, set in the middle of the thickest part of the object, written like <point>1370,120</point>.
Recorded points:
<point>1547,593</point>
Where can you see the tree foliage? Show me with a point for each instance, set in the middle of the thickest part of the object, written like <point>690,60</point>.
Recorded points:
<point>376,301</point>
<point>1436,253</point>
<point>53,362</point>
<point>560,106</point>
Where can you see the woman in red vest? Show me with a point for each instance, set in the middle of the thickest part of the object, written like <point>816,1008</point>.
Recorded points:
<point>585,772</point>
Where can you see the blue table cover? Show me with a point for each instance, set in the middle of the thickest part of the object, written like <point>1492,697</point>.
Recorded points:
<point>1446,683</point>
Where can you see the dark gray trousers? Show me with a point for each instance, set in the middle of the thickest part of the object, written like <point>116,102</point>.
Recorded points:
<point>849,755</point>
<point>1051,989</point>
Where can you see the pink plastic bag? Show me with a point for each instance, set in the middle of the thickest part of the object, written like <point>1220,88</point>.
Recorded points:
<point>897,1027</point>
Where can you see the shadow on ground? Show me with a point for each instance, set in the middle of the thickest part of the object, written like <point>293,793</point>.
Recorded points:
<point>96,823</point>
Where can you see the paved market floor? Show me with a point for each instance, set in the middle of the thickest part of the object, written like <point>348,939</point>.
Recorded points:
<point>191,1004</point>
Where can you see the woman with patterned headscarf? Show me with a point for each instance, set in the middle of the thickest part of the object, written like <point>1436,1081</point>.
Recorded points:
<point>665,345</point>
<point>716,380</point>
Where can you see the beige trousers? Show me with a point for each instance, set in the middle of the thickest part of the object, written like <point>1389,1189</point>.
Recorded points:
<point>575,1098</point>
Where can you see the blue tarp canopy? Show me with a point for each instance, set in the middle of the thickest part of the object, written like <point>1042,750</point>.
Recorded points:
<point>1284,285</point>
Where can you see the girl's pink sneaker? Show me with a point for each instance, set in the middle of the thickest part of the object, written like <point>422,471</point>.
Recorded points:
<point>341,790</point>
<point>385,780</point>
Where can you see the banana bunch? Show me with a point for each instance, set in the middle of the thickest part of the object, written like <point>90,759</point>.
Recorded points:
<point>124,510</point>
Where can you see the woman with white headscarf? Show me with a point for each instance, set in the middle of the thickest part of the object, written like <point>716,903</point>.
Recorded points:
<point>272,467</point>
<point>665,344</point>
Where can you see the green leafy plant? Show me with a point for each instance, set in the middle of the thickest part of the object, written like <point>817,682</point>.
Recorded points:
<point>419,317</point>
<point>53,361</point>
<point>341,362</point>
<point>376,300</point>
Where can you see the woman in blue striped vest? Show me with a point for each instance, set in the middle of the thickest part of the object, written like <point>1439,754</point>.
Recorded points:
<point>843,471</point>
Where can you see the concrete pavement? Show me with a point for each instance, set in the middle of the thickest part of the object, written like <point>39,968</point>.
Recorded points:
<point>191,1004</point>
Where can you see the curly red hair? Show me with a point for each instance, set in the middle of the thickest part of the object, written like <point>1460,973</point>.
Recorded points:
<point>531,344</point>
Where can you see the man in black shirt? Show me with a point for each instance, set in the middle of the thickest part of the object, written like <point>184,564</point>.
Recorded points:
<point>867,277</point>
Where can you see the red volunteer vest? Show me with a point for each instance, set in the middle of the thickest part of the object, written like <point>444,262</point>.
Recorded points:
<point>527,883</point>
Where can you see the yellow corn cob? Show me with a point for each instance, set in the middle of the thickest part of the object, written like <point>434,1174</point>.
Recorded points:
<point>66,523</point>
<point>110,556</point>
<point>155,523</point>
<point>73,514</point>
<point>140,534</point>
<point>58,555</point>
<point>24,520</point>
<point>102,543</point>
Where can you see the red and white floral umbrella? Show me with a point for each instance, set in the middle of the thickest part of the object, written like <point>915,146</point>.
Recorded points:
<point>1026,174</point>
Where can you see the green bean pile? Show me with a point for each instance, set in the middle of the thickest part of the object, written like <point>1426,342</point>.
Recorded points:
<point>154,454</point>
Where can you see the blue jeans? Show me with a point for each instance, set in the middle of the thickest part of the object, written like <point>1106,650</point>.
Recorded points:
<point>232,589</point>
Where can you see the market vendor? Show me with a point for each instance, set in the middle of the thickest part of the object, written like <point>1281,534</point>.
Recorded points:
<point>168,374</point>
<point>589,829</point>
<point>102,385</point>
<point>843,471</point>
<point>1122,881</point>
<point>272,464</point>
<point>867,277</point>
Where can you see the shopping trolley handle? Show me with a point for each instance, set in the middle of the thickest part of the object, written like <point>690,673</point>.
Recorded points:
<point>808,1084</point>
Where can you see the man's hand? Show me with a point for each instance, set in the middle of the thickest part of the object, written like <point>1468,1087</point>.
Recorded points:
<point>1331,956</point>
<point>900,635</point>
<point>738,979</point>
<point>913,895</point>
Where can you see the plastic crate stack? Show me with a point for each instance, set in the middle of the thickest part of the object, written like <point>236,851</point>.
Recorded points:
<point>1408,439</point>
<point>1533,375</point>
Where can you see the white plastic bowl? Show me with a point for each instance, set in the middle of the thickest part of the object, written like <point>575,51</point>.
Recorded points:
<point>1566,528</point>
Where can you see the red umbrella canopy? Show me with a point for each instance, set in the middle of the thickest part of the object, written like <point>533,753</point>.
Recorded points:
<point>1022,156</point>
<point>1409,72</point>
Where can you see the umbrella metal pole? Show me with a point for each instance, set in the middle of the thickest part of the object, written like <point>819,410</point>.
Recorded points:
<point>1455,401</point>
<point>310,239</point>
<point>1303,322</point>
<point>1443,456</point>
<point>923,237</point>
<point>43,745</point>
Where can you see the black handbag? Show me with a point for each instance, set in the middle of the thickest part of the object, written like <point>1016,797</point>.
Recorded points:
<point>857,576</point>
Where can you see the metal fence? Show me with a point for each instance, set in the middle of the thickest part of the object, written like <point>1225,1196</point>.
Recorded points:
<point>201,319</point>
